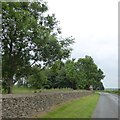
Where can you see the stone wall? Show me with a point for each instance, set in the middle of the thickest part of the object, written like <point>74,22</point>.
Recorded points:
<point>25,106</point>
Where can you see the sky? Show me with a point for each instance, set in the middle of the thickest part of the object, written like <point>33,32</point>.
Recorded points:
<point>94,25</point>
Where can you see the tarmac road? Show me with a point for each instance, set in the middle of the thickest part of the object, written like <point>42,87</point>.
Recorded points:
<point>0,106</point>
<point>107,106</point>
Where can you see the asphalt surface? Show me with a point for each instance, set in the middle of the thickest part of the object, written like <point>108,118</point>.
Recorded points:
<point>107,106</point>
<point>0,106</point>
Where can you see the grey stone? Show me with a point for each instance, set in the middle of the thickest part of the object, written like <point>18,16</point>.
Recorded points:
<point>25,106</point>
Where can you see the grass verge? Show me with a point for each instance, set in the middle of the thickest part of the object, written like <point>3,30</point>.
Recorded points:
<point>79,108</point>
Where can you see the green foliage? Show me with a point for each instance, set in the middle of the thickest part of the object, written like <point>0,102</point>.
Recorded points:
<point>37,79</point>
<point>29,38</point>
<point>70,74</point>
<point>67,75</point>
<point>89,73</point>
<point>73,74</point>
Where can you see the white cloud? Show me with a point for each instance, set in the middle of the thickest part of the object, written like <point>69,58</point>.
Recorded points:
<point>94,25</point>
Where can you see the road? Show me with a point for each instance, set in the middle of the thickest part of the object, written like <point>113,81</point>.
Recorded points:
<point>0,106</point>
<point>107,106</point>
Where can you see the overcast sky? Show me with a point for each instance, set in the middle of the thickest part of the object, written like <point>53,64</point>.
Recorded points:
<point>94,25</point>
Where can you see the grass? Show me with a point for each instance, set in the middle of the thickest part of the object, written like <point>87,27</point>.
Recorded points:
<point>112,91</point>
<point>18,90</point>
<point>78,108</point>
<point>22,90</point>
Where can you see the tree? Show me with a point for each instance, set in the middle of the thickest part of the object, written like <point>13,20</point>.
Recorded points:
<point>29,38</point>
<point>74,74</point>
<point>66,77</point>
<point>37,78</point>
<point>89,74</point>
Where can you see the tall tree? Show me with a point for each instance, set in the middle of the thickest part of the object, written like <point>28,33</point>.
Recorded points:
<point>89,73</point>
<point>29,38</point>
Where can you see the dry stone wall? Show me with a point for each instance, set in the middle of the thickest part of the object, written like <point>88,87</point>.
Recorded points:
<point>25,106</point>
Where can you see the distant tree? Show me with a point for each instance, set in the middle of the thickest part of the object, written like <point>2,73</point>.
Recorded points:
<point>89,74</point>
<point>98,86</point>
<point>74,74</point>
<point>67,75</point>
<point>37,78</point>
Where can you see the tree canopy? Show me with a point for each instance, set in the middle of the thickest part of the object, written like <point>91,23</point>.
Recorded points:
<point>75,74</point>
<point>29,38</point>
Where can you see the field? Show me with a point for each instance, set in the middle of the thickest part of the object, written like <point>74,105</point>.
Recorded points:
<point>79,108</point>
<point>113,91</point>
<point>18,90</point>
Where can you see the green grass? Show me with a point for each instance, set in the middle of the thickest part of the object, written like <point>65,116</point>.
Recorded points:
<point>18,90</point>
<point>21,90</point>
<point>79,108</point>
<point>111,91</point>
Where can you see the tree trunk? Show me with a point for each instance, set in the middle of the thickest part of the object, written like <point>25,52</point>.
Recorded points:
<point>9,90</point>
<point>9,87</point>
